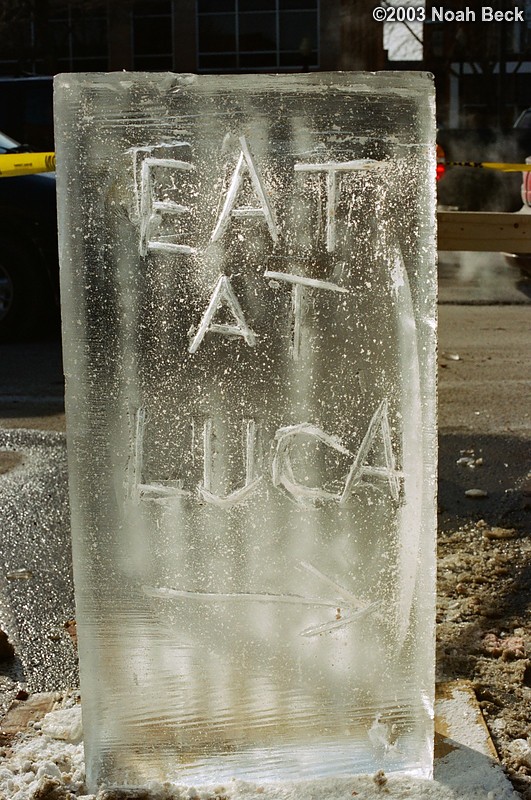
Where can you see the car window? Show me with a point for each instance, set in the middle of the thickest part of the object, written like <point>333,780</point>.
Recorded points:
<point>524,120</point>
<point>7,143</point>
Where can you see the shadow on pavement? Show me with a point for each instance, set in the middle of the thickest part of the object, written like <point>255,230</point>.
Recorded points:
<point>501,473</point>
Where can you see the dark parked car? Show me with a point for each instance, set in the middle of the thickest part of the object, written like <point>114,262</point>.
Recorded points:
<point>29,289</point>
<point>26,109</point>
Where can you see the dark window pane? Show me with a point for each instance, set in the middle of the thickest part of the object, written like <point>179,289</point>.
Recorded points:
<point>152,35</point>
<point>217,33</point>
<point>89,37</point>
<point>157,63</point>
<point>257,5</point>
<point>437,43</point>
<point>258,32</point>
<point>220,61</point>
<point>298,61</point>
<point>298,30</point>
<point>8,66</point>
<point>215,6</point>
<point>155,7</point>
<point>258,60</point>
<point>286,5</point>
<point>59,32</point>
<point>20,38</point>
<point>90,64</point>
<point>83,65</point>
<point>95,10</point>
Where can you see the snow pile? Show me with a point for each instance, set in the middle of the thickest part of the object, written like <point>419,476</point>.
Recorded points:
<point>64,724</point>
<point>363,787</point>
<point>47,763</point>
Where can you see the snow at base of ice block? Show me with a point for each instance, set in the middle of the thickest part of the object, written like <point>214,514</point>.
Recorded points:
<point>50,759</point>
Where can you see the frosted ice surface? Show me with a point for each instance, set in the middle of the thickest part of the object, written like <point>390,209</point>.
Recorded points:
<point>248,290</point>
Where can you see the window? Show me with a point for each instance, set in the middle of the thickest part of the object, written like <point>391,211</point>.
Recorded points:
<point>153,35</point>
<point>254,35</point>
<point>79,40</point>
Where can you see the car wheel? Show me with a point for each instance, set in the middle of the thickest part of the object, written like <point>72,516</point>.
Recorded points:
<point>25,297</point>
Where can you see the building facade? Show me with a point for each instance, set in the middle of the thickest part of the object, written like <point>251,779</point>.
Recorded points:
<point>482,68</point>
<point>191,36</point>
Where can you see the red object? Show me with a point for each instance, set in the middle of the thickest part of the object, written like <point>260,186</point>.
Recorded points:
<point>441,162</point>
<point>526,186</point>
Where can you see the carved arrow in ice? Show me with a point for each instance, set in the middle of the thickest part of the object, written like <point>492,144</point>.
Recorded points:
<point>347,607</point>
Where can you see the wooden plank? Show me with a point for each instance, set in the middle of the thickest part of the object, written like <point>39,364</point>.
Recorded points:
<point>484,231</point>
<point>455,703</point>
<point>22,711</point>
<point>465,756</point>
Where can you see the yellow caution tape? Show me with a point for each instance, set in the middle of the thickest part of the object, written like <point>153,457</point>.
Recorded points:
<point>490,165</point>
<point>13,164</point>
<point>30,163</point>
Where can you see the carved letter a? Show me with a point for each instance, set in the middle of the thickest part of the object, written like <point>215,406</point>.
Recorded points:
<point>265,210</point>
<point>223,293</point>
<point>379,425</point>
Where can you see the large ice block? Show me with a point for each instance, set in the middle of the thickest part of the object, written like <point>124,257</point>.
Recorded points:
<point>248,292</point>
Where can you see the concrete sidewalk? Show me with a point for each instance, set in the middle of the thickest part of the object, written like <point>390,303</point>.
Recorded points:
<point>484,410</point>
<point>487,389</point>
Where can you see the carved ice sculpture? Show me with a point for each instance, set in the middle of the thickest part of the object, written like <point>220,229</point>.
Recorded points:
<point>248,289</point>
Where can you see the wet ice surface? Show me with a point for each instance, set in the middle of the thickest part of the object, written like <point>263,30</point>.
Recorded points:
<point>36,593</point>
<point>248,291</point>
